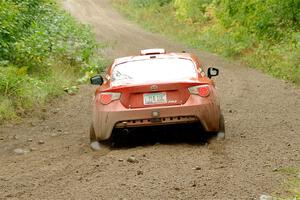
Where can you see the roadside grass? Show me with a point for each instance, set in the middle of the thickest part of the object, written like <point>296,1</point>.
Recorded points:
<point>43,53</point>
<point>279,58</point>
<point>293,184</point>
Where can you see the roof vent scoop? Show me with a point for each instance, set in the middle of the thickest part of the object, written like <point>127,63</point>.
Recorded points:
<point>152,51</point>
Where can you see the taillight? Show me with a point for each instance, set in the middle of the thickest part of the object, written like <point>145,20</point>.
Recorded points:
<point>201,90</point>
<point>108,97</point>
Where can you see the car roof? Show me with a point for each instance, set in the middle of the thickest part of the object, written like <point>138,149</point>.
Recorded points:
<point>153,56</point>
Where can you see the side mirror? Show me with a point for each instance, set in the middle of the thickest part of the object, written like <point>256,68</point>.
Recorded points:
<point>97,80</point>
<point>212,72</point>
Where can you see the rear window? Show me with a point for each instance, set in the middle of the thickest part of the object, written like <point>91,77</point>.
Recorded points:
<point>154,70</point>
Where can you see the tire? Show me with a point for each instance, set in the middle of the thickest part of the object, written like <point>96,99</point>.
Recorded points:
<point>221,132</point>
<point>92,134</point>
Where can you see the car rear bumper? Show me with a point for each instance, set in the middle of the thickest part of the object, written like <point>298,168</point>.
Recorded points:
<point>195,110</point>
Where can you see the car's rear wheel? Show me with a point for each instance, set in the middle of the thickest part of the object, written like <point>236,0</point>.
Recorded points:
<point>94,144</point>
<point>92,134</point>
<point>221,132</point>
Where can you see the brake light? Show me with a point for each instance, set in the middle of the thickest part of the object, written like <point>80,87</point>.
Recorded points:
<point>201,90</point>
<point>108,97</point>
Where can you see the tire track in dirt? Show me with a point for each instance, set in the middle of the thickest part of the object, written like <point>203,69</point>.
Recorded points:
<point>262,119</point>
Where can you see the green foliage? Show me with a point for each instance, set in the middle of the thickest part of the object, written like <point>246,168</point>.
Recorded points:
<point>294,183</point>
<point>42,50</point>
<point>148,3</point>
<point>22,89</point>
<point>191,10</point>
<point>267,19</point>
<point>35,33</point>
<point>228,43</point>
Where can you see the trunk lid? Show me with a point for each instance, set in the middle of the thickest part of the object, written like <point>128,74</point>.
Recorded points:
<point>151,95</point>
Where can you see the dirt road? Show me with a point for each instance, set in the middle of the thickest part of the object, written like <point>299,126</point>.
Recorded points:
<point>263,134</point>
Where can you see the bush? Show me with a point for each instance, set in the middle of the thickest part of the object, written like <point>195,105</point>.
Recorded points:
<point>42,50</point>
<point>191,10</point>
<point>270,19</point>
<point>35,33</point>
<point>22,89</point>
<point>148,3</point>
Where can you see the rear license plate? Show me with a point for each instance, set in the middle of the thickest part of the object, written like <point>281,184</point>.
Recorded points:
<point>155,98</point>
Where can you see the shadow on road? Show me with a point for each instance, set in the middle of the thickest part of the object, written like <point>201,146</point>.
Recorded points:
<point>171,134</point>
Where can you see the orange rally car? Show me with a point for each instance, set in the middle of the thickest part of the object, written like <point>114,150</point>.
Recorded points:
<point>155,88</point>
